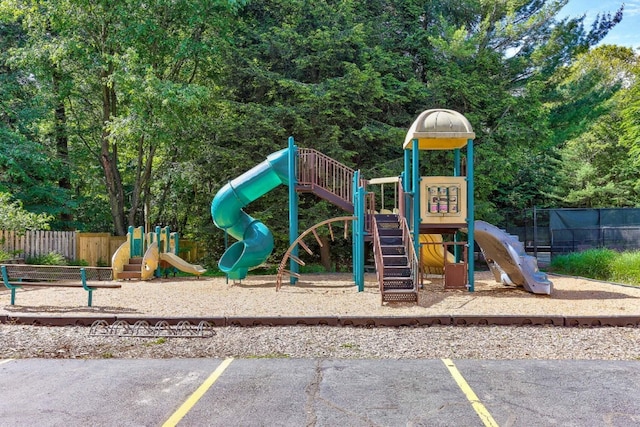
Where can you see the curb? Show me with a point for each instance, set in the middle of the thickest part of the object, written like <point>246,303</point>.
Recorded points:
<point>343,321</point>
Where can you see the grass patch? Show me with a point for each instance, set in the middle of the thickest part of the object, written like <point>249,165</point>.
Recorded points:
<point>600,264</point>
<point>350,346</point>
<point>158,341</point>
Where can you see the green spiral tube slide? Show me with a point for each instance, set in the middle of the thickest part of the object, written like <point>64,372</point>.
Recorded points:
<point>255,241</point>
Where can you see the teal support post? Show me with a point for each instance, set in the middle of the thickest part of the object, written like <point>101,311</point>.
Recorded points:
<point>5,279</point>
<point>415,169</point>
<point>176,243</point>
<point>470,214</point>
<point>226,246</point>
<point>354,232</point>
<point>83,276</point>
<point>358,232</point>
<point>457,250</point>
<point>406,175</point>
<point>166,241</point>
<point>157,235</point>
<point>131,243</point>
<point>406,184</point>
<point>293,208</point>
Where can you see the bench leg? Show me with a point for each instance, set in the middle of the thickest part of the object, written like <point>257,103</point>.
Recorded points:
<point>90,298</point>
<point>13,296</point>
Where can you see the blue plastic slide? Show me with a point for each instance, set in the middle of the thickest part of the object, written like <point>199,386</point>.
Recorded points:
<point>255,241</point>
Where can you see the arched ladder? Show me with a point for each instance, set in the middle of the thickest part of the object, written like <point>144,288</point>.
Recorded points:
<point>299,241</point>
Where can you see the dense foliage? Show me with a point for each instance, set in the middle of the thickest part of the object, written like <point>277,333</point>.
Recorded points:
<point>121,113</point>
<point>601,264</point>
<point>14,217</point>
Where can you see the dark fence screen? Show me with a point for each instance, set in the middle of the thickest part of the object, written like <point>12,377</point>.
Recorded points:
<point>569,230</point>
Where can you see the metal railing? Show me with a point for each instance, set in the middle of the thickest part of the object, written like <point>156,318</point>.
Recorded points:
<point>412,257</point>
<point>317,169</point>
<point>377,254</point>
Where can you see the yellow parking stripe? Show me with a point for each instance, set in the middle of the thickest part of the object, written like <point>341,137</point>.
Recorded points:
<point>480,409</point>
<point>5,361</point>
<point>193,399</point>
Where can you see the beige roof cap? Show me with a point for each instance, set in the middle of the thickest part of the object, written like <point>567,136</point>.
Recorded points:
<point>439,129</point>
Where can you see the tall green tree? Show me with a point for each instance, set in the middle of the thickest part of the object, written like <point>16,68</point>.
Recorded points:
<point>133,75</point>
<point>591,114</point>
<point>25,149</point>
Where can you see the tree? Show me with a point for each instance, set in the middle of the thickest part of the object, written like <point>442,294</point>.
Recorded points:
<point>26,170</point>
<point>133,75</point>
<point>589,119</point>
<point>14,217</point>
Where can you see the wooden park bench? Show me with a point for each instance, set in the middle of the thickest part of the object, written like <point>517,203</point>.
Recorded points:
<point>16,276</point>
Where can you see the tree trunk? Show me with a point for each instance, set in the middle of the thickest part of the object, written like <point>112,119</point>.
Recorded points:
<point>142,180</point>
<point>109,158</point>
<point>62,146</point>
<point>325,253</point>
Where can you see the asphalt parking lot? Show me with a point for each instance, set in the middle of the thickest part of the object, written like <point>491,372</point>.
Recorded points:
<point>303,392</point>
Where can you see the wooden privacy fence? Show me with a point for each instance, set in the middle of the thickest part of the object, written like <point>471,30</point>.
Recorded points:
<point>97,248</point>
<point>94,248</point>
<point>35,243</point>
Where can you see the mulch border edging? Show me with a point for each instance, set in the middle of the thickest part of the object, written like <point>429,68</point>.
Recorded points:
<point>344,321</point>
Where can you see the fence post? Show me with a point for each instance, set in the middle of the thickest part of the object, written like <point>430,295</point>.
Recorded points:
<point>535,232</point>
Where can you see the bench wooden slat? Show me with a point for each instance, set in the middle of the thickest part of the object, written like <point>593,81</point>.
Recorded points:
<point>66,285</point>
<point>14,276</point>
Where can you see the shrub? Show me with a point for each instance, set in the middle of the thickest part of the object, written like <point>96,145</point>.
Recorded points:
<point>52,258</point>
<point>626,268</point>
<point>601,264</point>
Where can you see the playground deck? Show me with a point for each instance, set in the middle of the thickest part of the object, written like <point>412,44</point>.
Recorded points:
<point>326,296</point>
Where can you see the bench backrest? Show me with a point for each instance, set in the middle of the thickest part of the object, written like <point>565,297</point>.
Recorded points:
<point>56,272</point>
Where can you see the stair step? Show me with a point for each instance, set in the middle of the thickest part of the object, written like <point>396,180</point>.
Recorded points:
<point>135,260</point>
<point>393,250</point>
<point>395,260</point>
<point>398,289</point>
<point>402,296</point>
<point>130,275</point>
<point>398,271</point>
<point>398,282</point>
<point>132,267</point>
<point>386,218</point>
<point>390,241</point>
<point>384,232</point>
<point>388,226</point>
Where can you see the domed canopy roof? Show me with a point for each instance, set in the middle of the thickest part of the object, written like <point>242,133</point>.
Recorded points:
<point>439,129</point>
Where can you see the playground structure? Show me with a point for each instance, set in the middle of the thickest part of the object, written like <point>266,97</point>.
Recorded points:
<point>145,256</point>
<point>423,232</point>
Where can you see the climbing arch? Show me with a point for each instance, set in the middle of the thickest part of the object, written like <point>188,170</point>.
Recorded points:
<point>300,241</point>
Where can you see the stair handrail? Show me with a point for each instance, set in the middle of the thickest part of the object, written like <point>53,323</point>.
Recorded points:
<point>317,169</point>
<point>377,255</point>
<point>412,257</point>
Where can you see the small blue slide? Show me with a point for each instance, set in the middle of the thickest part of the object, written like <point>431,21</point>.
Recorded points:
<point>255,241</point>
